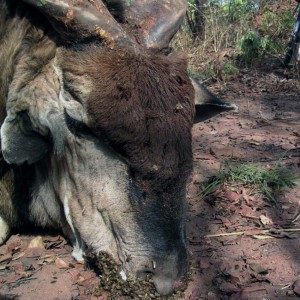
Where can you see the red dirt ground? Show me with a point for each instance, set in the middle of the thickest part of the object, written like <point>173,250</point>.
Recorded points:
<point>254,264</point>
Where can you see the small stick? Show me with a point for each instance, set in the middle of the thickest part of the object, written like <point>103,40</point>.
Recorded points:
<point>245,232</point>
<point>22,280</point>
<point>250,217</point>
<point>296,218</point>
<point>225,234</point>
<point>283,230</point>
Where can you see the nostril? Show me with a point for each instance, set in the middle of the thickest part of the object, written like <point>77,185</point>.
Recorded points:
<point>143,273</point>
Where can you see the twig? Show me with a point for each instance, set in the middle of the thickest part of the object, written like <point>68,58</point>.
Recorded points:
<point>22,280</point>
<point>282,230</point>
<point>250,217</point>
<point>296,218</point>
<point>212,77</point>
<point>288,285</point>
<point>257,232</point>
<point>225,234</point>
<point>25,279</point>
<point>194,268</point>
<point>285,285</point>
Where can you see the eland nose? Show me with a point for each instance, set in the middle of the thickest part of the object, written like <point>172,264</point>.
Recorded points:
<point>163,285</point>
<point>162,279</point>
<point>166,275</point>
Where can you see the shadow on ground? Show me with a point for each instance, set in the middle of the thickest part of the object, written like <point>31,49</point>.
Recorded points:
<point>265,130</point>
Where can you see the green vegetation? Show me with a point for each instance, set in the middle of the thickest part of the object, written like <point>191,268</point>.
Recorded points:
<point>247,31</point>
<point>268,182</point>
<point>252,45</point>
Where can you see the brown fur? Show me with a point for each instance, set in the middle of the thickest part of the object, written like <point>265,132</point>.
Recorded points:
<point>143,104</point>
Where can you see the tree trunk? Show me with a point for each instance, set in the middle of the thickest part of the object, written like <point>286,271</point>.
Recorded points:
<point>195,19</point>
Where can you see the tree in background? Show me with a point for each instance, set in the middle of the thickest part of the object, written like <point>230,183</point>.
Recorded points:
<point>234,10</point>
<point>222,36</point>
<point>195,18</point>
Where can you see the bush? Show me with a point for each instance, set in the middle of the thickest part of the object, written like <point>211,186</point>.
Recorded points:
<point>252,45</point>
<point>245,29</point>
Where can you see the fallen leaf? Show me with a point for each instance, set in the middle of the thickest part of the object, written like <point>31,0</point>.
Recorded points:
<point>14,246</point>
<point>228,288</point>
<point>19,255</point>
<point>61,264</point>
<point>204,263</point>
<point>29,263</point>
<point>224,220</point>
<point>232,196</point>
<point>88,274</point>
<point>3,250</point>
<point>234,279</point>
<point>50,259</point>
<point>226,267</point>
<point>48,255</point>
<point>234,241</point>
<point>265,220</point>
<point>252,289</point>
<point>79,265</point>
<point>34,252</point>
<point>104,296</point>
<point>5,257</point>
<point>290,293</point>
<point>89,282</point>
<point>37,242</point>
<point>18,267</point>
<point>250,217</point>
<point>210,296</point>
<point>51,238</point>
<point>246,211</point>
<point>249,293</point>
<point>15,278</point>
<point>14,239</point>
<point>76,276</point>
<point>68,248</point>
<point>261,278</point>
<point>54,242</point>
<point>260,269</point>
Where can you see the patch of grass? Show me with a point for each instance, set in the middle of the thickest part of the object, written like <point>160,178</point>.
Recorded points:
<point>268,182</point>
<point>230,69</point>
<point>205,74</point>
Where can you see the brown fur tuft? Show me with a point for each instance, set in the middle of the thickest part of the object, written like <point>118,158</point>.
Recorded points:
<point>143,104</point>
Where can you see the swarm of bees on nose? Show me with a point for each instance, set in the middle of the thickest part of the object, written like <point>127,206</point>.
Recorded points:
<point>110,280</point>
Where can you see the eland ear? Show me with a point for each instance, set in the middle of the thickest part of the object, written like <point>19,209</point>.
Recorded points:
<point>208,105</point>
<point>19,142</point>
